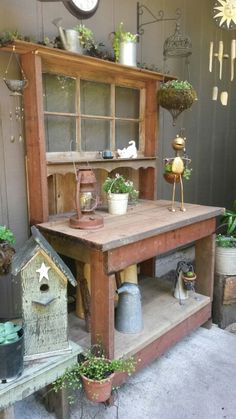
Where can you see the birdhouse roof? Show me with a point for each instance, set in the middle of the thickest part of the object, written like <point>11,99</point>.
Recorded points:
<point>32,246</point>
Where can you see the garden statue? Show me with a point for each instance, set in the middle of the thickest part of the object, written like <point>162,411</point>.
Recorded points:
<point>128,153</point>
<point>176,168</point>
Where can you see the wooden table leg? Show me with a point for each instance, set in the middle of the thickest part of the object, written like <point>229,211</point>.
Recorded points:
<point>85,295</point>
<point>7,413</point>
<point>205,264</point>
<point>102,304</point>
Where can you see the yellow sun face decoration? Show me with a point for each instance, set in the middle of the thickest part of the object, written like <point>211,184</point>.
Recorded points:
<point>225,13</point>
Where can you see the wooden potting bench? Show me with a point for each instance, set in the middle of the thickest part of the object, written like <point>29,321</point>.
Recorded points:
<point>147,230</point>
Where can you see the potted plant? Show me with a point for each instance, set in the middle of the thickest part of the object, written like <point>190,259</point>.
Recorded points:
<point>119,190</point>
<point>226,243</point>
<point>171,177</point>
<point>11,350</point>
<point>124,45</point>
<point>189,279</point>
<point>176,96</point>
<point>7,251</point>
<point>95,375</point>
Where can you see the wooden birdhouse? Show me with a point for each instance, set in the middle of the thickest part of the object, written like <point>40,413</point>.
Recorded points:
<point>44,278</point>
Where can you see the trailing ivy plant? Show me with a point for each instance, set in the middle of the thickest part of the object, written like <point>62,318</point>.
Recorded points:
<point>6,235</point>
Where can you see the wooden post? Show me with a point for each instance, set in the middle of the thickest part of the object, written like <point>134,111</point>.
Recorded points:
<point>102,304</point>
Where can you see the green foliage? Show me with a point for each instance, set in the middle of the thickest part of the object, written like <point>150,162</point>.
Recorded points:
<point>7,235</point>
<point>121,36</point>
<point>9,36</point>
<point>177,84</point>
<point>119,184</point>
<point>228,223</point>
<point>85,36</point>
<point>8,332</point>
<point>93,367</point>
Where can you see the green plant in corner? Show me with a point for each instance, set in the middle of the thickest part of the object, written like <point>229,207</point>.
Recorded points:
<point>7,239</point>
<point>121,36</point>
<point>228,224</point>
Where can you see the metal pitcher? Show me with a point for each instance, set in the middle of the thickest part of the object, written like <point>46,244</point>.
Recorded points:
<point>129,310</point>
<point>69,37</point>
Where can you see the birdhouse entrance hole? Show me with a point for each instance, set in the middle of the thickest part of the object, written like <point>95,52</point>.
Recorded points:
<point>44,288</point>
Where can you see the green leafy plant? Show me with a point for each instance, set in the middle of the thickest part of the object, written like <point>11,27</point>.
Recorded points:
<point>228,224</point>
<point>119,184</point>
<point>9,332</point>
<point>121,36</point>
<point>95,368</point>
<point>86,36</point>
<point>6,235</point>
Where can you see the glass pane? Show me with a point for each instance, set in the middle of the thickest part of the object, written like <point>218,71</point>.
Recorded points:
<point>95,135</point>
<point>126,131</point>
<point>60,133</point>
<point>95,98</point>
<point>59,93</point>
<point>127,103</point>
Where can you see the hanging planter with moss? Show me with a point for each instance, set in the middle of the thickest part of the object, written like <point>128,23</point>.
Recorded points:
<point>176,96</point>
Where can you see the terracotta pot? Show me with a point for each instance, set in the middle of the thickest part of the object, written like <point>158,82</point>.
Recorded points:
<point>189,282</point>
<point>6,255</point>
<point>171,177</point>
<point>98,391</point>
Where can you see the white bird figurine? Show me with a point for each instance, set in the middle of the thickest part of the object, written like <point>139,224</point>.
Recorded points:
<point>128,153</point>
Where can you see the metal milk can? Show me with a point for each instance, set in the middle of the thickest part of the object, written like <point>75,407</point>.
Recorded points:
<point>129,310</point>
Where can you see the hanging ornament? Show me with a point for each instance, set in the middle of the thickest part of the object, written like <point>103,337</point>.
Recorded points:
<point>176,96</point>
<point>16,88</point>
<point>224,13</point>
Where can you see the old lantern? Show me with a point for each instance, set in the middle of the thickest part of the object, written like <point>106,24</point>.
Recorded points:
<point>86,202</point>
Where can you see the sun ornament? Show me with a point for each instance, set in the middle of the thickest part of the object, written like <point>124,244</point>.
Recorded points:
<point>224,13</point>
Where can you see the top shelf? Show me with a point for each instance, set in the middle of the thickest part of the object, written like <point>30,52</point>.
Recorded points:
<point>54,60</point>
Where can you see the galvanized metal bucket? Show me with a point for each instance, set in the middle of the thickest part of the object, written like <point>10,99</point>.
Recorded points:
<point>128,52</point>
<point>129,310</point>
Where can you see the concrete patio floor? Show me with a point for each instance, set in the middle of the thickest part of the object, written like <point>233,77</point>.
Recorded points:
<point>194,379</point>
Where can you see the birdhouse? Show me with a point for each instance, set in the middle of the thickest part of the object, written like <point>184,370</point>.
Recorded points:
<point>44,278</point>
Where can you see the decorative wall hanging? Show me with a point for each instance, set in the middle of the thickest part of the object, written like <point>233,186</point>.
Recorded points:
<point>16,88</point>
<point>224,13</point>
<point>176,168</point>
<point>175,46</point>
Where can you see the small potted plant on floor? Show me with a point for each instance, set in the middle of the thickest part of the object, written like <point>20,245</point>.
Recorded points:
<point>226,243</point>
<point>124,45</point>
<point>95,375</point>
<point>119,190</point>
<point>7,250</point>
<point>176,96</point>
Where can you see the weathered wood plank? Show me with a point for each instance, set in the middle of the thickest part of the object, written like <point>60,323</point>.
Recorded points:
<point>36,375</point>
<point>205,263</point>
<point>229,296</point>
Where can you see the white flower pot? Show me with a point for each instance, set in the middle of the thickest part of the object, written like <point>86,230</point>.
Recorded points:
<point>128,52</point>
<point>117,203</point>
<point>225,262</point>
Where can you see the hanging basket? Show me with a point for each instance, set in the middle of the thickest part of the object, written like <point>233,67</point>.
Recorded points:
<point>171,177</point>
<point>6,255</point>
<point>176,100</point>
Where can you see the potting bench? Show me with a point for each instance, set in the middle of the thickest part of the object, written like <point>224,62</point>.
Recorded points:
<point>147,230</point>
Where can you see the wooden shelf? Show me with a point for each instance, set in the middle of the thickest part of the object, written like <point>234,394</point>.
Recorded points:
<point>161,314</point>
<point>62,168</point>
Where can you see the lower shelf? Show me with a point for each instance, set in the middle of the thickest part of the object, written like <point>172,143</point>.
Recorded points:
<point>161,313</point>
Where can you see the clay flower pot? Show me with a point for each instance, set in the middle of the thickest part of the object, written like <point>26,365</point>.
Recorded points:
<point>98,391</point>
<point>189,281</point>
<point>171,177</point>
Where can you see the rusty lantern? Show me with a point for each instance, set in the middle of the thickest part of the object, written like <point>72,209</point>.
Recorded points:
<point>86,202</point>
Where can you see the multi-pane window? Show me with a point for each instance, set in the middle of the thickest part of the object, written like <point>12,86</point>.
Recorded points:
<point>89,116</point>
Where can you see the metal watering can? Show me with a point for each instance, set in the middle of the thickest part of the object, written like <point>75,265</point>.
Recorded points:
<point>129,310</point>
<point>69,37</point>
